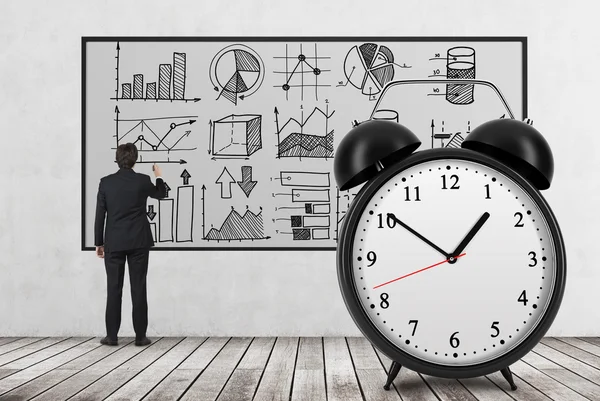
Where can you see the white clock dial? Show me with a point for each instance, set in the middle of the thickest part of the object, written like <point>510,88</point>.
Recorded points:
<point>453,312</point>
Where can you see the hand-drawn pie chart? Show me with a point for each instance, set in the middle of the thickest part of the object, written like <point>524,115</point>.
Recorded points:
<point>369,67</point>
<point>236,71</point>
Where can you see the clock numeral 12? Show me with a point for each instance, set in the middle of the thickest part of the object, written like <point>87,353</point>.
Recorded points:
<point>454,186</point>
<point>407,189</point>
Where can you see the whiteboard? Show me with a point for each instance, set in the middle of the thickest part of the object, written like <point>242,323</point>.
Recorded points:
<point>246,129</point>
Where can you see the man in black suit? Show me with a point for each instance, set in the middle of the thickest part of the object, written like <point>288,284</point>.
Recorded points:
<point>122,200</point>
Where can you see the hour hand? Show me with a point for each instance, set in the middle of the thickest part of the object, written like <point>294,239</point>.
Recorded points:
<point>463,244</point>
<point>431,244</point>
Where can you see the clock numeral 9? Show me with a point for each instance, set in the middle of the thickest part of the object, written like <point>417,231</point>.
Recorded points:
<point>523,298</point>
<point>520,222</point>
<point>371,257</point>
<point>533,259</point>
<point>454,342</point>
<point>391,223</point>
<point>415,322</point>
<point>454,186</point>
<point>407,189</point>
<point>384,301</point>
<point>494,327</point>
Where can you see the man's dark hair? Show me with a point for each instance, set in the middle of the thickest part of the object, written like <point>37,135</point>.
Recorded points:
<point>127,155</point>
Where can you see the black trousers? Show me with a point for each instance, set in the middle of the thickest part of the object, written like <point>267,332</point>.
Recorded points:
<point>114,262</point>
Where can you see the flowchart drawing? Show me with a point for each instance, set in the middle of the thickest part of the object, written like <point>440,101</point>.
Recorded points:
<point>310,137</point>
<point>302,71</point>
<point>236,135</point>
<point>236,72</point>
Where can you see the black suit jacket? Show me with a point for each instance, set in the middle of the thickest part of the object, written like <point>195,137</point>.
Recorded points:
<point>122,200</point>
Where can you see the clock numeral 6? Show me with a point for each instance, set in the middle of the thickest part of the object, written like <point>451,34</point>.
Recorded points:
<point>371,257</point>
<point>384,301</point>
<point>452,177</point>
<point>391,223</point>
<point>523,298</point>
<point>495,328</point>
<point>415,322</point>
<point>520,221</point>
<point>454,342</point>
<point>407,189</point>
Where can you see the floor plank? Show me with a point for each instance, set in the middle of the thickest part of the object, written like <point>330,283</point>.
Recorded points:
<point>18,343</point>
<point>276,382</point>
<point>581,344</point>
<point>309,375</point>
<point>568,362</point>
<point>111,382</point>
<point>484,390</point>
<point>243,383</point>
<point>524,392</point>
<point>564,376</point>
<point>342,384</point>
<point>7,340</point>
<point>143,383</point>
<point>178,381</point>
<point>215,376</point>
<point>28,350</point>
<point>572,351</point>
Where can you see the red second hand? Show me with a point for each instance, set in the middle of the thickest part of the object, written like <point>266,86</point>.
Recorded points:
<point>418,271</point>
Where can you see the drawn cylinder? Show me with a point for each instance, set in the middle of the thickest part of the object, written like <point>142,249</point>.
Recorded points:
<point>384,114</point>
<point>460,64</point>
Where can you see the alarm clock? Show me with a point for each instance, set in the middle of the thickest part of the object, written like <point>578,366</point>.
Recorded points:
<point>449,260</point>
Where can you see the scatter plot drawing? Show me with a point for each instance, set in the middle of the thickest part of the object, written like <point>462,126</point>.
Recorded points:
<point>236,72</point>
<point>369,67</point>
<point>238,227</point>
<point>460,64</point>
<point>156,136</point>
<point>310,137</point>
<point>235,136</point>
<point>302,70</point>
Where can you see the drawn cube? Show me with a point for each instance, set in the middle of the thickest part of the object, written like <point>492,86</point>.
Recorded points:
<point>236,135</point>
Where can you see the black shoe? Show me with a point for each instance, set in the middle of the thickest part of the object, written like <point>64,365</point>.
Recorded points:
<point>108,341</point>
<point>142,341</point>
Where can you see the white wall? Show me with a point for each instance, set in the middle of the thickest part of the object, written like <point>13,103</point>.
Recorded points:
<point>49,287</point>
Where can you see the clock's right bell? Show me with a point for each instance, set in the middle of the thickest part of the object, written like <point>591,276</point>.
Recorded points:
<point>516,144</point>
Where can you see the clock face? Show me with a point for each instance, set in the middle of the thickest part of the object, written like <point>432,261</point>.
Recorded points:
<point>448,310</point>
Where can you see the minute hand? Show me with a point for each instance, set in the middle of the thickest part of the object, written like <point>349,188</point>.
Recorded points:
<point>431,244</point>
<point>463,244</point>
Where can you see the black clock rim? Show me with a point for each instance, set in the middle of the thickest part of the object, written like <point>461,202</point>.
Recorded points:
<point>350,291</point>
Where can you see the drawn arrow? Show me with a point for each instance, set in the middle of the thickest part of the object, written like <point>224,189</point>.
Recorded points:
<point>118,51</point>
<point>210,134</point>
<point>247,185</point>
<point>203,230</point>
<point>117,125</point>
<point>432,132</point>
<point>225,183</point>
<point>151,213</point>
<point>186,177</point>
<point>168,188</point>
<point>276,119</point>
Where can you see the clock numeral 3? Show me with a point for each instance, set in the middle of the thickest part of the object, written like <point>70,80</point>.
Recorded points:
<point>452,177</point>
<point>371,257</point>
<point>454,342</point>
<point>415,322</point>
<point>384,301</point>
<point>533,259</point>
<point>520,222</point>
<point>523,298</point>
<point>391,223</point>
<point>495,328</point>
<point>407,189</point>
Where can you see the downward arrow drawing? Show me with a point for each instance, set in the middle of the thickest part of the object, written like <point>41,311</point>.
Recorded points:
<point>225,179</point>
<point>247,185</point>
<point>186,177</point>
<point>151,213</point>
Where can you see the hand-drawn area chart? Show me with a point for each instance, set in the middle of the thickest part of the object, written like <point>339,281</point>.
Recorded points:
<point>245,130</point>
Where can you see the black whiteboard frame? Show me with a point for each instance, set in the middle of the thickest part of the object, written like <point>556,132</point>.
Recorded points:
<point>88,39</point>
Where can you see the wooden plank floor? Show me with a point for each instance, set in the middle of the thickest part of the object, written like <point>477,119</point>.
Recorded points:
<point>274,369</point>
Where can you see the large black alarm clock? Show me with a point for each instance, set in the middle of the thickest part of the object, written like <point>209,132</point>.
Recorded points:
<point>450,261</point>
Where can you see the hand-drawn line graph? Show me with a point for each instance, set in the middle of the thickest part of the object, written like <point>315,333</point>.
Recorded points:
<point>235,136</point>
<point>156,135</point>
<point>236,227</point>
<point>308,137</point>
<point>369,67</point>
<point>171,82</point>
<point>304,65</point>
<point>236,71</point>
<point>311,220</point>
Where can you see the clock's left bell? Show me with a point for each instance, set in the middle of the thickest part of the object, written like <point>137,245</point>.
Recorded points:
<point>368,147</point>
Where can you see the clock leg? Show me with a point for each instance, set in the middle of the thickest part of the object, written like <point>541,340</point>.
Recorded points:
<point>509,378</point>
<point>394,369</point>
